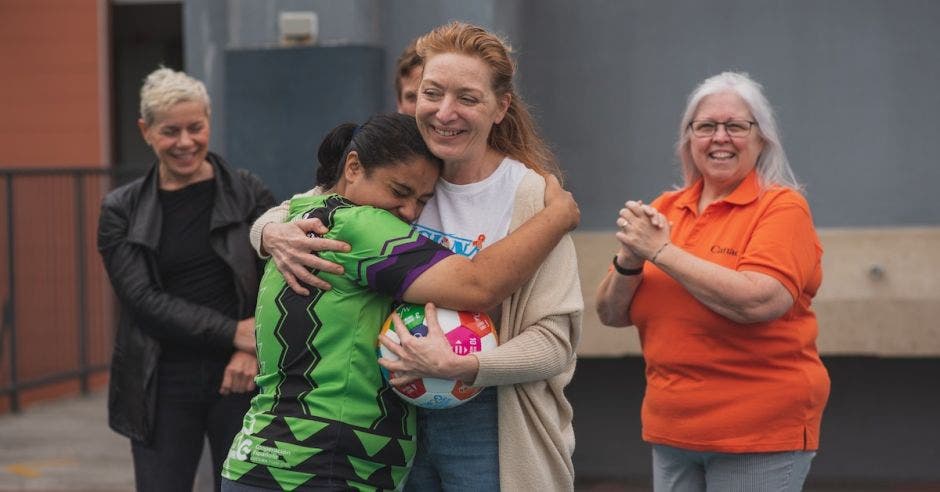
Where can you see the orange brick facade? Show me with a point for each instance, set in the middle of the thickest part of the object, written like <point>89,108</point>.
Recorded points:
<point>54,95</point>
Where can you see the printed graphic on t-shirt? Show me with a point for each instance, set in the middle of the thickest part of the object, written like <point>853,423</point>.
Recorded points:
<point>461,246</point>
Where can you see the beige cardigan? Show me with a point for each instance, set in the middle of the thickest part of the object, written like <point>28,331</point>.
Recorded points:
<point>539,332</point>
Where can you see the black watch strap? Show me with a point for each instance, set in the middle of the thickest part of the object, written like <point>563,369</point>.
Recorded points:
<point>626,271</point>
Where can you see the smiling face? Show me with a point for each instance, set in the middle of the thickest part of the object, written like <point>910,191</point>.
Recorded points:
<point>457,107</point>
<point>402,188</point>
<point>723,160</point>
<point>179,137</point>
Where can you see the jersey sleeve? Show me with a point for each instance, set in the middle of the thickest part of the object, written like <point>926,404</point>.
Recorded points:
<point>387,254</point>
<point>784,244</point>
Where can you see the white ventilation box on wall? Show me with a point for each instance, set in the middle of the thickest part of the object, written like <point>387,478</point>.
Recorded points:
<point>298,28</point>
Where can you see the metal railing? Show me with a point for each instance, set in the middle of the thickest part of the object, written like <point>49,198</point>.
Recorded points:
<point>57,306</point>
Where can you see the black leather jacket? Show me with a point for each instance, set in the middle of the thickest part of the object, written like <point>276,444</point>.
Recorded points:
<point>128,238</point>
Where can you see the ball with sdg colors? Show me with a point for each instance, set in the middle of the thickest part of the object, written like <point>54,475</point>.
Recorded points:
<point>467,332</point>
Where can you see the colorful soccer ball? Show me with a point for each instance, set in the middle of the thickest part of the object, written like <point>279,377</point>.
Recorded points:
<point>467,332</point>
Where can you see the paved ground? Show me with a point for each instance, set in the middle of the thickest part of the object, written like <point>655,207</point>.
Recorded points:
<point>64,445</point>
<point>67,445</point>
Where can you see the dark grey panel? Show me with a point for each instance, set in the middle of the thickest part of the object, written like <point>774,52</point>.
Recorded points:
<point>854,82</point>
<point>281,102</point>
<point>879,425</point>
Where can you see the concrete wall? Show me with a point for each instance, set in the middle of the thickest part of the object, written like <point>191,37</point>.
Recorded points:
<point>880,298</point>
<point>877,298</point>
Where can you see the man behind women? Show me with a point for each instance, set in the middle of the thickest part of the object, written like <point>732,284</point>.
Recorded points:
<point>718,278</point>
<point>518,436</point>
<point>407,78</point>
<point>175,246</point>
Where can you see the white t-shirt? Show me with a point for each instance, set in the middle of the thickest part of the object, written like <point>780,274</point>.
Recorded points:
<point>467,218</point>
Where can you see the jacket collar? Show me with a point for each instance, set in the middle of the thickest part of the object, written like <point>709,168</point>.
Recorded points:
<point>747,191</point>
<point>147,219</point>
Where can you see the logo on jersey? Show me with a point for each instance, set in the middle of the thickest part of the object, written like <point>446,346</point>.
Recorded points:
<point>243,449</point>
<point>461,246</point>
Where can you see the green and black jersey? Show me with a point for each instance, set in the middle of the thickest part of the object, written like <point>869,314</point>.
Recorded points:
<point>324,416</point>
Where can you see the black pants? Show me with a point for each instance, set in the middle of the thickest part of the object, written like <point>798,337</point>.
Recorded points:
<point>189,408</point>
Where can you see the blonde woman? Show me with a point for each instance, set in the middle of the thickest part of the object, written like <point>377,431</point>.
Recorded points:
<point>175,245</point>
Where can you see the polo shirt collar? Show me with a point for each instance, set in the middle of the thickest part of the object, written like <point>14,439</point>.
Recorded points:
<point>689,198</point>
<point>746,192</point>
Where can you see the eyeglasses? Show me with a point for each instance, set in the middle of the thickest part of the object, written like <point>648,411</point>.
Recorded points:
<point>734,128</point>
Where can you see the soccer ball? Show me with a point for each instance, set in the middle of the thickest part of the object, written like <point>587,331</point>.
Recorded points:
<point>467,332</point>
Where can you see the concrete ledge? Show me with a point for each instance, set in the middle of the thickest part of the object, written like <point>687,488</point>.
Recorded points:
<point>880,294</point>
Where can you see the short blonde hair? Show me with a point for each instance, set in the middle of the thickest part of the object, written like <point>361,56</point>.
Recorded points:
<point>165,87</point>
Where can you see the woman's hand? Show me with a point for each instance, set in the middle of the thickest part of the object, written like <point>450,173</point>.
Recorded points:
<point>294,252</point>
<point>562,202</point>
<point>245,335</point>
<point>642,233</point>
<point>429,356</point>
<point>239,375</point>
<point>742,297</point>
<point>637,226</point>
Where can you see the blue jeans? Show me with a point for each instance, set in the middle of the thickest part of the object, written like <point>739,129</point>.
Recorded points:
<point>189,408</point>
<point>681,470</point>
<point>458,448</point>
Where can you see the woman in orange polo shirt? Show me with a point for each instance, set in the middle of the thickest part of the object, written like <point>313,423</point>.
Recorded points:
<point>718,277</point>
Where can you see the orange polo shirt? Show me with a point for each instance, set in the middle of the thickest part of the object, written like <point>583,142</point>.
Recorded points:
<point>716,385</point>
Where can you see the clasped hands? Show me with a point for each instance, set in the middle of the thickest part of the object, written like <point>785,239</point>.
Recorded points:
<point>642,231</point>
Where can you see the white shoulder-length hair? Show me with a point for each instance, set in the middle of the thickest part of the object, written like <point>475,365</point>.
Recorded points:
<point>773,168</point>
